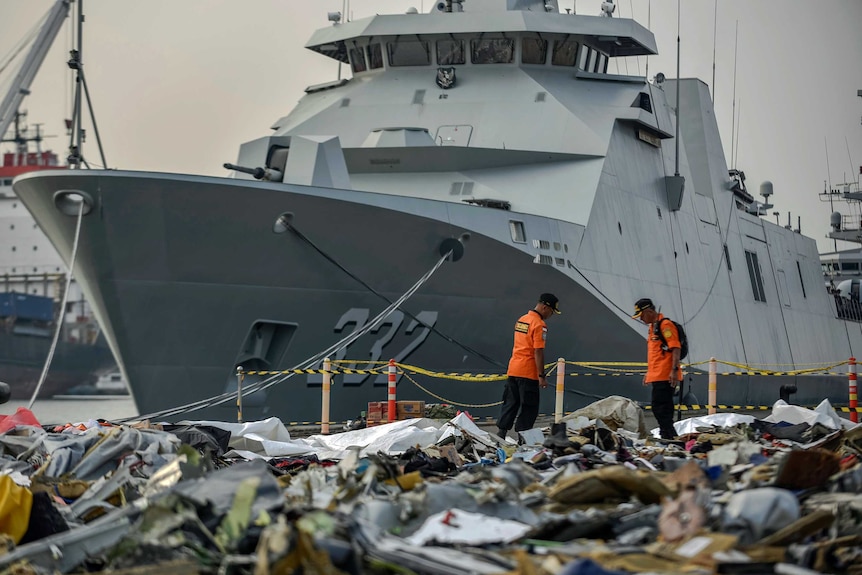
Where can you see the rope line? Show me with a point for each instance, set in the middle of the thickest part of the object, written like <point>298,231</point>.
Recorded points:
<point>62,311</point>
<point>449,401</point>
<point>596,369</point>
<point>306,364</point>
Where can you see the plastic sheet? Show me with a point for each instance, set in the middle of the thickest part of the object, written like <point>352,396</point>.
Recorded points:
<point>455,526</point>
<point>823,414</point>
<point>691,424</point>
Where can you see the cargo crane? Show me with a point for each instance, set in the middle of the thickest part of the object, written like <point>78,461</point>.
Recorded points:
<point>20,87</point>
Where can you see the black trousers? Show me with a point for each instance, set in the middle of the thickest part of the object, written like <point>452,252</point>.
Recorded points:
<point>520,394</point>
<point>662,407</point>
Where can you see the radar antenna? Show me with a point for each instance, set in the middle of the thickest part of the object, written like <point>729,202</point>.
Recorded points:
<point>608,8</point>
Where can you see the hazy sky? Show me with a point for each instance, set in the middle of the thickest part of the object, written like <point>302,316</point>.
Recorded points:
<point>177,85</point>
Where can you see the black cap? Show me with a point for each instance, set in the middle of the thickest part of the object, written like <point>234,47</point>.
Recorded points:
<point>551,301</point>
<point>641,305</point>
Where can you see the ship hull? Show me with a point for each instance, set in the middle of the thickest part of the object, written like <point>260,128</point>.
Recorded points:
<point>22,360</point>
<point>189,280</point>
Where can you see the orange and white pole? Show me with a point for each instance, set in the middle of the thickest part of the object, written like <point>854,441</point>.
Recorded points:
<point>851,388</point>
<point>239,378</point>
<point>324,403</point>
<point>391,407</point>
<point>713,385</point>
<point>561,390</point>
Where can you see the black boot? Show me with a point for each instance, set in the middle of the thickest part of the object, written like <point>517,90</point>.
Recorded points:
<point>502,432</point>
<point>558,438</point>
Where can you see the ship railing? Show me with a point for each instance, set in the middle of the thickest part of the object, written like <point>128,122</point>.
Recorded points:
<point>847,308</point>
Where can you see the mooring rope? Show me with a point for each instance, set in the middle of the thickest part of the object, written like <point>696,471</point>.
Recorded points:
<point>274,380</point>
<point>62,313</point>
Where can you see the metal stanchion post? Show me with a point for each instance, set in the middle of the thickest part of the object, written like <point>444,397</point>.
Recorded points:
<point>713,385</point>
<point>561,389</point>
<point>851,388</point>
<point>239,377</point>
<point>324,403</point>
<point>391,407</point>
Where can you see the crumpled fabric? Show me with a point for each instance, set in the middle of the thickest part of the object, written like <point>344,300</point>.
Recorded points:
<point>616,412</point>
<point>218,488</point>
<point>753,514</point>
<point>116,444</point>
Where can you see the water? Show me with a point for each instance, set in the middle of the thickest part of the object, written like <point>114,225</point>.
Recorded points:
<point>50,411</point>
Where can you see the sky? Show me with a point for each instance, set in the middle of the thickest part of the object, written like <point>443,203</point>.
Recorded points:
<point>177,86</point>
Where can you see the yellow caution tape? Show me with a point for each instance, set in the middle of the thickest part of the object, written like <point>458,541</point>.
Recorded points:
<point>597,369</point>
<point>697,407</point>
<point>449,401</point>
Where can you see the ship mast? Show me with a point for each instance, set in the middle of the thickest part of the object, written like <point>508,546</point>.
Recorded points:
<point>76,142</point>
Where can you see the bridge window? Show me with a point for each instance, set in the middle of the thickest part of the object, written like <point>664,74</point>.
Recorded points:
<point>409,53</point>
<point>602,66</point>
<point>565,53</point>
<point>492,50</point>
<point>375,56</point>
<point>584,57</point>
<point>591,65</point>
<point>533,51</point>
<point>450,52</point>
<point>357,60</point>
<point>850,266</point>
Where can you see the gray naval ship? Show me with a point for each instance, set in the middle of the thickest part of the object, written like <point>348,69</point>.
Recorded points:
<point>489,128</point>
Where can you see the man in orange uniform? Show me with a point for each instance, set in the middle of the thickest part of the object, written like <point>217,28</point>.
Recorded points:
<point>527,367</point>
<point>663,371</point>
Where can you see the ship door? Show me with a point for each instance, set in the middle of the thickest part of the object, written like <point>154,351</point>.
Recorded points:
<point>263,349</point>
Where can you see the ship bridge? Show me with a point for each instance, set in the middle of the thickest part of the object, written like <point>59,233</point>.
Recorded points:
<point>486,32</point>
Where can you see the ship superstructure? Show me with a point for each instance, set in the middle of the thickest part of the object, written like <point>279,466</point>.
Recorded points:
<point>495,124</point>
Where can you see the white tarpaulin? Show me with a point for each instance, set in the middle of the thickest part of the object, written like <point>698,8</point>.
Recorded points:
<point>691,424</point>
<point>824,414</point>
<point>391,438</point>
<point>615,411</point>
<point>458,526</point>
<point>267,437</point>
<point>462,421</point>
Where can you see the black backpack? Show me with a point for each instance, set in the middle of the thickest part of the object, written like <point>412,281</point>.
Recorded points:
<point>683,339</point>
